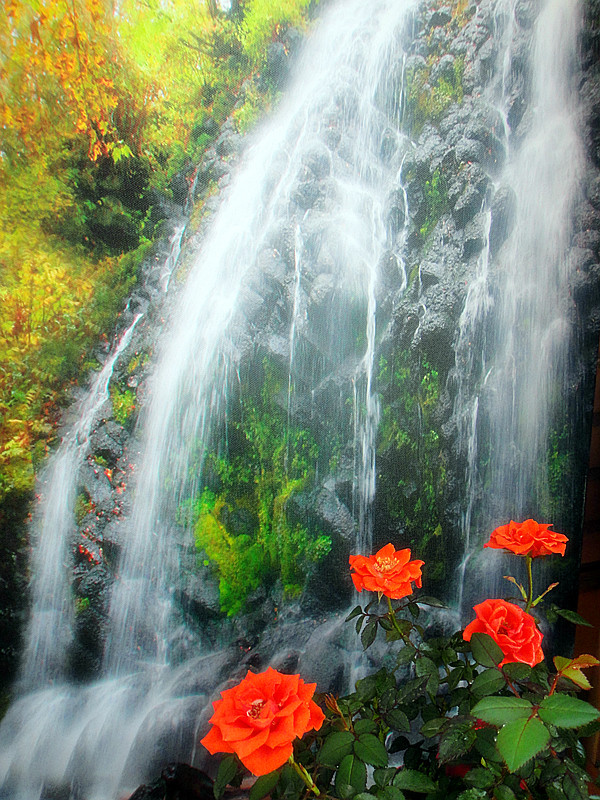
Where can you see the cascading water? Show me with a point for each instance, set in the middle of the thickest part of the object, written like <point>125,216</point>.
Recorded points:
<point>344,85</point>
<point>334,224</point>
<point>50,628</point>
<point>517,309</point>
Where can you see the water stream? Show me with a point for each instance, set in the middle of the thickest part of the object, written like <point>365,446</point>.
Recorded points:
<point>337,134</point>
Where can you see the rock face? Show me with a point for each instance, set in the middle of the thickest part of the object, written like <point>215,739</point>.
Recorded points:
<point>448,211</point>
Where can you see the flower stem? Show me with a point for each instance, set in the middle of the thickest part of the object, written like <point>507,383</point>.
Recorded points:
<point>528,560</point>
<point>301,771</point>
<point>394,621</point>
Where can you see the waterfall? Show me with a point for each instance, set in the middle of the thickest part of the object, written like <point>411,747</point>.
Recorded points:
<point>518,307</point>
<point>339,124</point>
<point>355,252</point>
<point>49,632</point>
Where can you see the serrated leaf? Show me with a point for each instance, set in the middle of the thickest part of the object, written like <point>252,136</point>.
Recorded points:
<point>485,744</point>
<point>480,777</point>
<point>390,793</point>
<point>263,786</point>
<point>368,635</point>
<point>455,741</point>
<point>521,740</point>
<point>433,726</point>
<point>370,750</point>
<point>411,780</point>
<point>566,712</point>
<point>473,794</point>
<point>364,726</point>
<point>501,710</point>
<point>572,616</point>
<point>485,650</point>
<point>431,601</point>
<point>517,671</point>
<point>335,747</point>
<point>383,776</point>
<point>397,720</point>
<point>503,792</point>
<point>488,682</point>
<point>354,613</point>
<point>352,772</point>
<point>406,654</point>
<point>228,769</point>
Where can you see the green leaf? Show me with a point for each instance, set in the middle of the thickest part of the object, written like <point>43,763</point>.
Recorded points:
<point>521,740</point>
<point>364,726</point>
<point>517,671</point>
<point>572,616</point>
<point>500,710</point>
<point>335,747</point>
<point>433,727</point>
<point>504,792</point>
<point>263,785</point>
<point>473,794</point>
<point>485,744</point>
<point>413,781</point>
<point>383,776</point>
<point>365,796</point>
<point>566,712</point>
<point>368,635</point>
<point>456,740</point>
<point>431,601</point>
<point>397,720</point>
<point>488,682</point>
<point>480,777</point>
<point>370,750</point>
<point>354,613</point>
<point>390,793</point>
<point>485,650</point>
<point>352,772</point>
<point>406,654</point>
<point>228,769</point>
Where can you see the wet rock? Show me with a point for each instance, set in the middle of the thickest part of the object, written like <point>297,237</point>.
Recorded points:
<point>442,16</point>
<point>503,217</point>
<point>334,514</point>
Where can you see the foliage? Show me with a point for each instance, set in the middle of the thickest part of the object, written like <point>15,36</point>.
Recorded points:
<point>445,718</point>
<point>123,403</point>
<point>99,108</point>
<point>263,22</point>
<point>244,522</point>
<point>427,102</point>
<point>436,201</point>
<point>411,461</point>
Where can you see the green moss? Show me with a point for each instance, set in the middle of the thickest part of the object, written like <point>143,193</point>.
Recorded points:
<point>83,506</point>
<point>412,467</point>
<point>244,524</point>
<point>428,103</point>
<point>436,199</point>
<point>123,403</point>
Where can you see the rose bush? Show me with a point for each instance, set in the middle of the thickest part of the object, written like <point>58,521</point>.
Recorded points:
<point>514,631</point>
<point>529,538</point>
<point>389,572</point>
<point>475,715</point>
<point>260,717</point>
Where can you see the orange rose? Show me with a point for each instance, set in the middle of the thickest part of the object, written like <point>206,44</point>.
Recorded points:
<point>260,717</point>
<point>389,572</point>
<point>529,538</point>
<point>514,631</point>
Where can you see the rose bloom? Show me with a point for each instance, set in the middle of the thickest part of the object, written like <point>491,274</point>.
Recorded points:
<point>260,717</point>
<point>529,538</point>
<point>514,631</point>
<point>389,572</point>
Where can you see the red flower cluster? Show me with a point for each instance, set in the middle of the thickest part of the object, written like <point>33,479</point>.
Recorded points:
<point>514,631</point>
<point>389,572</point>
<point>529,538</point>
<point>260,717</point>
